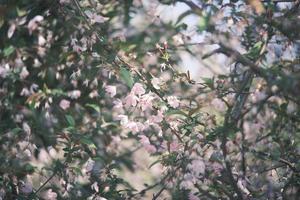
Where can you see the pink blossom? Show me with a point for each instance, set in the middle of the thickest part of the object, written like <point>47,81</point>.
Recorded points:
<point>24,73</point>
<point>218,104</point>
<point>174,146</point>
<point>131,100</point>
<point>150,148</point>
<point>173,101</point>
<point>146,143</point>
<point>144,140</point>
<point>146,101</point>
<point>75,94</point>
<point>193,197</point>
<point>64,104</point>
<point>134,126</point>
<point>95,18</point>
<point>138,89</point>
<point>111,90</point>
<point>197,166</point>
<point>123,118</point>
<point>3,72</point>
<point>33,23</point>
<point>118,104</point>
<point>50,195</point>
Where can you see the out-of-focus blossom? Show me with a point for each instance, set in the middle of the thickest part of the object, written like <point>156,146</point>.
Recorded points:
<point>34,23</point>
<point>64,104</point>
<point>138,89</point>
<point>218,104</point>
<point>75,94</point>
<point>50,195</point>
<point>197,167</point>
<point>135,127</point>
<point>95,18</point>
<point>118,104</point>
<point>156,83</point>
<point>25,92</point>
<point>64,1</point>
<point>26,188</point>
<point>93,94</point>
<point>89,165</point>
<point>131,100</point>
<point>95,187</point>
<point>145,101</point>
<point>3,71</point>
<point>111,90</point>
<point>123,119</point>
<point>11,30</point>
<point>26,128</point>
<point>173,101</point>
<point>156,118</point>
<point>147,145</point>
<point>24,73</point>
<point>193,197</point>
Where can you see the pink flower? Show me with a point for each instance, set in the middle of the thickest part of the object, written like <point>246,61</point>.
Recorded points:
<point>197,167</point>
<point>64,104</point>
<point>193,197</point>
<point>135,127</point>
<point>131,100</point>
<point>3,72</point>
<point>146,101</point>
<point>174,146</point>
<point>144,140</point>
<point>118,104</point>
<point>123,118</point>
<point>33,23</point>
<point>146,143</point>
<point>150,148</point>
<point>173,101</point>
<point>75,94</point>
<point>138,89</point>
<point>111,90</point>
<point>95,18</point>
<point>218,104</point>
<point>24,73</point>
<point>50,195</point>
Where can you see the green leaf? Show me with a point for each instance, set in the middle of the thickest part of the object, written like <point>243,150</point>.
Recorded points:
<point>70,120</point>
<point>209,82</point>
<point>87,141</point>
<point>177,112</point>
<point>8,51</point>
<point>126,76</point>
<point>16,130</point>
<point>93,106</point>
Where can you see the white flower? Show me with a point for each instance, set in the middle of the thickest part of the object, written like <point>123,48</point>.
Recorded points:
<point>33,23</point>
<point>95,186</point>
<point>156,83</point>
<point>75,94</point>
